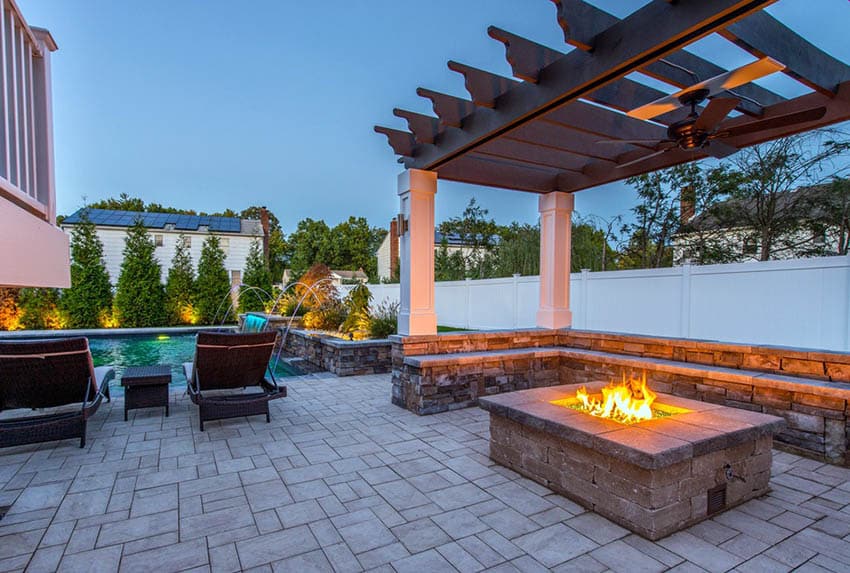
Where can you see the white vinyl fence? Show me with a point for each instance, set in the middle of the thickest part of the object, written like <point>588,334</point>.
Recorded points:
<point>804,302</point>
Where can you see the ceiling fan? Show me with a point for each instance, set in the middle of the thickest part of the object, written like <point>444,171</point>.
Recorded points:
<point>700,131</point>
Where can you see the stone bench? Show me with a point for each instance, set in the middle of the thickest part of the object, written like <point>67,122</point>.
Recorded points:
<point>815,410</point>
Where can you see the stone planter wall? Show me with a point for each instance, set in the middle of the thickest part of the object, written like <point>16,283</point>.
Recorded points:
<point>809,388</point>
<point>341,357</point>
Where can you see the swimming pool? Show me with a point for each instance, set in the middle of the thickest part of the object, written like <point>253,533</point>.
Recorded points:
<point>149,350</point>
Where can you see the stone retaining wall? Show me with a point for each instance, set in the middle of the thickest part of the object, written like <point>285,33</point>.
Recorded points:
<point>341,357</point>
<point>809,388</point>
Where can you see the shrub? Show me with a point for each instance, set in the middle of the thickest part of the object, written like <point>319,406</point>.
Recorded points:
<point>317,286</point>
<point>357,303</point>
<point>213,284</point>
<point>10,314</point>
<point>328,316</point>
<point>140,296</point>
<point>39,309</point>
<point>384,321</point>
<point>90,295</point>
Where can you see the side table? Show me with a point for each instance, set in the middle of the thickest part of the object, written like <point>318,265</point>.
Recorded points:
<point>145,387</point>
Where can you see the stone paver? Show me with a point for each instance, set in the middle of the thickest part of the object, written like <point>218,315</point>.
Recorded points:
<point>342,480</point>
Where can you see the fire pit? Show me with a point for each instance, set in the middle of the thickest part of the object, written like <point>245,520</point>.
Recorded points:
<point>653,463</point>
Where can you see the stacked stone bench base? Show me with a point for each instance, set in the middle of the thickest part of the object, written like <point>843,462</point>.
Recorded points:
<point>655,477</point>
<point>809,389</point>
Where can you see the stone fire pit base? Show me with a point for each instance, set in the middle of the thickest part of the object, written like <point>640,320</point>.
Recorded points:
<point>655,477</point>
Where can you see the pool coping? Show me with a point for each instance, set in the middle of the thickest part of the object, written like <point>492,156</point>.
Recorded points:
<point>107,332</point>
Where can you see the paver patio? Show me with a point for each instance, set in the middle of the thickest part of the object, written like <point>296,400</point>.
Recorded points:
<point>343,480</point>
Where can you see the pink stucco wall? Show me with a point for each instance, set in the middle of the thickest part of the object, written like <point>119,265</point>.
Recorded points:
<point>32,251</point>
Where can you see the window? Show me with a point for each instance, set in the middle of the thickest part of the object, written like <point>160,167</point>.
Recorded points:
<point>157,240</point>
<point>235,277</point>
<point>187,241</point>
<point>224,243</point>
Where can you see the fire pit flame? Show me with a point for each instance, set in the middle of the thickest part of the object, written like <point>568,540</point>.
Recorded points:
<point>628,402</point>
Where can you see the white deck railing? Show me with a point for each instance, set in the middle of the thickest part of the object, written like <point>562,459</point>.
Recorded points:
<point>26,134</point>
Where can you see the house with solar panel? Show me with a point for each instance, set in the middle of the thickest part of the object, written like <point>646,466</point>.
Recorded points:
<point>235,236</point>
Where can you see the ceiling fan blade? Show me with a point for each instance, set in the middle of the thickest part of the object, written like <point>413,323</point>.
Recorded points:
<point>715,112</point>
<point>725,81</point>
<point>720,150</point>
<point>775,122</point>
<point>643,158</point>
<point>630,141</point>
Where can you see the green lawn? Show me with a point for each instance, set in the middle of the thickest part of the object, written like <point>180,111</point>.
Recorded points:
<point>451,329</point>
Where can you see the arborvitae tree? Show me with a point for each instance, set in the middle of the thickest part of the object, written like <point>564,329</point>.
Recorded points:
<point>140,297</point>
<point>213,284</point>
<point>180,286</point>
<point>257,275</point>
<point>89,299</point>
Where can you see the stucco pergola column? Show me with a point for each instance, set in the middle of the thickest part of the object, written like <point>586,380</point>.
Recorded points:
<point>555,209</point>
<point>416,190</point>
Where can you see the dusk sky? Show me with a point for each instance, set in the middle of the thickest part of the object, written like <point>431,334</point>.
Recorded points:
<point>210,104</point>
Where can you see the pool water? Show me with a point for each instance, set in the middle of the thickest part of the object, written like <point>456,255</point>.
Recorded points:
<point>143,350</point>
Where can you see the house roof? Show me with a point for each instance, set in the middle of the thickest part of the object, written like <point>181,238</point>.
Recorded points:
<point>808,198</point>
<point>358,274</point>
<point>113,218</point>
<point>577,117</point>
<point>456,240</point>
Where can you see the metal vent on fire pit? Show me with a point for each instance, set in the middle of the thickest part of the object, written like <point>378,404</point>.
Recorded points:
<point>716,499</point>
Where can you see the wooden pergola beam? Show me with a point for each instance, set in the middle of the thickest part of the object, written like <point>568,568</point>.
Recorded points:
<point>648,34</point>
<point>763,35</point>
<point>402,142</point>
<point>681,68</point>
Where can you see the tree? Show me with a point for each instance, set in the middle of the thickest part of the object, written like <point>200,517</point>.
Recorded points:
<point>518,251</point>
<point>449,265</point>
<point>658,219</point>
<point>255,275</point>
<point>590,248</point>
<point>763,180</point>
<point>89,300</point>
<point>140,296</point>
<point>213,284</point>
<point>351,246</point>
<point>180,286</point>
<point>478,234</point>
<point>278,247</point>
<point>838,213</point>
<point>310,244</point>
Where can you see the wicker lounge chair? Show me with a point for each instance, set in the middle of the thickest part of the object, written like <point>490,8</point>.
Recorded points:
<point>228,361</point>
<point>49,374</point>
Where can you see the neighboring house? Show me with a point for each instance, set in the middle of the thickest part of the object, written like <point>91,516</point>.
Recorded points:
<point>812,238</point>
<point>387,253</point>
<point>33,250</point>
<point>235,236</point>
<point>338,278</point>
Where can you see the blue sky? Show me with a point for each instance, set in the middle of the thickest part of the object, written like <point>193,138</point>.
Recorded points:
<point>208,104</point>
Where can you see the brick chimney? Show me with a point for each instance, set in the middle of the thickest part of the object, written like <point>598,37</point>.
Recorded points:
<point>393,248</point>
<point>687,208</point>
<point>264,222</point>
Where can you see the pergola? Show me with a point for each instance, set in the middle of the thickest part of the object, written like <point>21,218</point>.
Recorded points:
<point>571,121</point>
